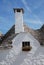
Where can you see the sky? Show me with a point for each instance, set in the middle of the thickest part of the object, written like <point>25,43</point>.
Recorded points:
<point>33,13</point>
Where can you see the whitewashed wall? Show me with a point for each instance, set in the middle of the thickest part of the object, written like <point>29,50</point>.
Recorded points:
<point>19,22</point>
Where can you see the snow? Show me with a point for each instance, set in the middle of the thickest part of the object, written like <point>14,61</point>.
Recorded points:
<point>15,55</point>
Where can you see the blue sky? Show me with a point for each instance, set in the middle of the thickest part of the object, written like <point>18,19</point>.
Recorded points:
<point>33,13</point>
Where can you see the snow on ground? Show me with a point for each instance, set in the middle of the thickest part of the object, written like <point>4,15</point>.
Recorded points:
<point>16,56</point>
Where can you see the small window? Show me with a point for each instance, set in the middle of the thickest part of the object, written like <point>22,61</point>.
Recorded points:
<point>18,10</point>
<point>25,44</point>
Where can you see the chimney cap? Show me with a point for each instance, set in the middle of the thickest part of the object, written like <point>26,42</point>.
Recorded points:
<point>18,9</point>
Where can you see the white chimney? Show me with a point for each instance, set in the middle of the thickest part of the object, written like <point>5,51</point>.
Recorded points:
<point>19,20</point>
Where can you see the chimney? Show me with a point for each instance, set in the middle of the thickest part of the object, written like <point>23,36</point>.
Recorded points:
<point>19,20</point>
